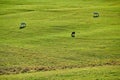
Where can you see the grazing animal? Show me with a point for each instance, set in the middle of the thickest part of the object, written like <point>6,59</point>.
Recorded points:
<point>73,34</point>
<point>95,14</point>
<point>22,25</point>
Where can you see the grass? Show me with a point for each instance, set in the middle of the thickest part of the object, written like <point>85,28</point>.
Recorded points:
<point>95,73</point>
<point>45,44</point>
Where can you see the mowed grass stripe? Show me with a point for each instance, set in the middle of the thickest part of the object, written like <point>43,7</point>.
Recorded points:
<point>89,73</point>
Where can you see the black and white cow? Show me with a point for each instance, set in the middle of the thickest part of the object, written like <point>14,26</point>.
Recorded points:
<point>22,25</point>
<point>95,14</point>
<point>73,34</point>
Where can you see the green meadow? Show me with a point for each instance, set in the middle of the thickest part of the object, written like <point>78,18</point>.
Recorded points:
<point>45,50</point>
<point>88,73</point>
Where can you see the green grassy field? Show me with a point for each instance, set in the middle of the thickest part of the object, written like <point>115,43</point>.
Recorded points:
<point>96,73</point>
<point>46,43</point>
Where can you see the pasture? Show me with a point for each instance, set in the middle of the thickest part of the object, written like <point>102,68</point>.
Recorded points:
<point>45,45</point>
<point>88,73</point>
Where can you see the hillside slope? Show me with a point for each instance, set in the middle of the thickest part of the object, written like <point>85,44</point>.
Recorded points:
<point>46,43</point>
